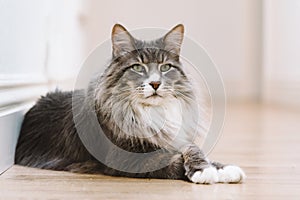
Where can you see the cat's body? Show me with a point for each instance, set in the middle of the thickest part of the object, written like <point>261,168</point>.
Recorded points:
<point>144,103</point>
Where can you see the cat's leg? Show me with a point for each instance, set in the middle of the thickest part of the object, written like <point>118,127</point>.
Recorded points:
<point>200,170</point>
<point>174,170</point>
<point>229,173</point>
<point>191,164</point>
<point>173,167</point>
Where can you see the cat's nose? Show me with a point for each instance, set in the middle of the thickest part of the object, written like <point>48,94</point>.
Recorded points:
<point>155,84</point>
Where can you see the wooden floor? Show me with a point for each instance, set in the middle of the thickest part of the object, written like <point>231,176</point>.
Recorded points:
<point>263,140</point>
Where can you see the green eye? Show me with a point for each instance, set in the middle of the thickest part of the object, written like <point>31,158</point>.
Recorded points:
<point>165,68</point>
<point>138,68</point>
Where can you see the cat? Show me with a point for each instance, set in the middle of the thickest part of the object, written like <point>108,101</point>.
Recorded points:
<point>143,77</point>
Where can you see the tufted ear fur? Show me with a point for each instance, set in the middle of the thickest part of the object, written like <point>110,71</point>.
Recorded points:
<point>122,41</point>
<point>173,39</point>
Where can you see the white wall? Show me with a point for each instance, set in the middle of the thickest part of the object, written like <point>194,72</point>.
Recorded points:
<point>65,40</point>
<point>282,52</point>
<point>230,31</point>
<point>52,38</point>
<point>41,41</point>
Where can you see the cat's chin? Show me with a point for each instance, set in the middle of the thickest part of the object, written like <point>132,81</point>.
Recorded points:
<point>153,100</point>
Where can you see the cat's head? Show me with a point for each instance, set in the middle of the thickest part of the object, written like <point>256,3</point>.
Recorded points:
<point>144,91</point>
<point>147,72</point>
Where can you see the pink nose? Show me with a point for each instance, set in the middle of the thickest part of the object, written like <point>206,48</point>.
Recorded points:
<point>155,84</point>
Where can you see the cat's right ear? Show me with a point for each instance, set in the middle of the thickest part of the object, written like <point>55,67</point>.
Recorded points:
<point>173,39</point>
<point>122,41</point>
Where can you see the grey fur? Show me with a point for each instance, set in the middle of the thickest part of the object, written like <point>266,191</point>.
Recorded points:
<point>49,139</point>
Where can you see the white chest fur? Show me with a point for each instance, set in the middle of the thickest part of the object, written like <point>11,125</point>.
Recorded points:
<point>169,124</point>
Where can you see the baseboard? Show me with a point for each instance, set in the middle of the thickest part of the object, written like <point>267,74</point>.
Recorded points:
<point>10,124</point>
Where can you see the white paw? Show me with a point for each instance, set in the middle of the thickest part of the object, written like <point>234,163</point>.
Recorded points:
<point>207,176</point>
<point>231,174</point>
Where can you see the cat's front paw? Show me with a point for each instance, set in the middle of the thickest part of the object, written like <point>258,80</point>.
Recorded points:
<point>208,175</point>
<point>231,174</point>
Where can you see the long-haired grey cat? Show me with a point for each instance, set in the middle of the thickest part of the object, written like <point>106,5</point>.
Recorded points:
<point>142,76</point>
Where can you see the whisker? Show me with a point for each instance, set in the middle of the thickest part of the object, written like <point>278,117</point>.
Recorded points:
<point>183,95</point>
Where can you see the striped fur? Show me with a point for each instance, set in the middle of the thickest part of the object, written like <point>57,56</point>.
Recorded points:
<point>142,108</point>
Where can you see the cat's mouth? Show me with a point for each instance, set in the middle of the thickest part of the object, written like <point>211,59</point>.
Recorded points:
<point>154,95</point>
<point>152,100</point>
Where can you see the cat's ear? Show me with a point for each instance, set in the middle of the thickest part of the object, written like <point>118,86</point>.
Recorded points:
<point>122,41</point>
<point>173,39</point>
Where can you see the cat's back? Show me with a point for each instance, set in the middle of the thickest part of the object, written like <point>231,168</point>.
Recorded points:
<point>48,132</point>
<point>49,111</point>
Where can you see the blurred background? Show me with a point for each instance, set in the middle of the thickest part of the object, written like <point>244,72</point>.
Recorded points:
<point>254,43</point>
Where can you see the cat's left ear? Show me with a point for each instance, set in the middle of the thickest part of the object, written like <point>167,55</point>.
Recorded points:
<point>173,39</point>
<point>122,41</point>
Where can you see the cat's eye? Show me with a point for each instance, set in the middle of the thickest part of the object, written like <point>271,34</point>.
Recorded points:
<point>165,68</point>
<point>138,68</point>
